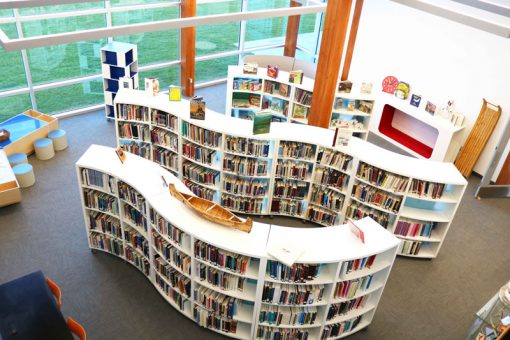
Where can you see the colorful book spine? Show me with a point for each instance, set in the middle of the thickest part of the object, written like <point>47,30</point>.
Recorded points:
<point>171,254</point>
<point>379,198</point>
<point>334,159</point>
<point>164,119</point>
<point>221,258</point>
<point>290,189</point>
<point>221,305</point>
<point>427,189</point>
<point>104,223</point>
<point>165,138</point>
<point>264,332</point>
<point>409,247</point>
<point>107,243</point>
<point>322,216</point>
<point>303,97</point>
<point>296,273</point>
<point>219,278</point>
<point>288,207</point>
<point>348,289</point>
<point>200,174</point>
<point>327,198</point>
<point>137,148</point>
<point>166,158</point>
<point>296,150</point>
<point>200,191</point>
<point>249,205</point>
<point>134,216</point>
<point>245,187</point>
<point>293,169</point>
<point>139,132</point>
<point>132,112</point>
<point>337,329</point>
<point>176,280</point>
<point>415,228</point>
<point>283,294</point>
<point>198,153</point>
<point>127,193</point>
<point>133,238</point>
<point>357,211</point>
<point>173,233</point>
<point>200,135</point>
<point>330,177</point>
<point>357,264</point>
<point>211,320</point>
<point>247,146</point>
<point>174,295</point>
<point>245,166</point>
<point>382,178</point>
<point>342,308</point>
<point>287,316</point>
<point>100,201</point>
<point>139,261</point>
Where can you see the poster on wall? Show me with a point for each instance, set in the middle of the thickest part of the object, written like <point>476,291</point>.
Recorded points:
<point>415,100</point>
<point>430,108</point>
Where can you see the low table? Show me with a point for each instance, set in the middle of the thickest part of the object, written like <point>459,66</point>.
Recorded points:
<point>10,191</point>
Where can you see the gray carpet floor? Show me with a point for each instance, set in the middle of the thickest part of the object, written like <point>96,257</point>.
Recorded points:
<point>424,299</point>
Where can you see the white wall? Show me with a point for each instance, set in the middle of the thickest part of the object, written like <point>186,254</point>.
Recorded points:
<point>440,59</point>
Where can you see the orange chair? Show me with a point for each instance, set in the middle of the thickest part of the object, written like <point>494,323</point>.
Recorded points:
<point>76,328</point>
<point>55,289</point>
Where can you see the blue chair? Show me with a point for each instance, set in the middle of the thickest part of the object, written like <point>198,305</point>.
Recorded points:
<point>44,149</point>
<point>24,174</point>
<point>59,139</point>
<point>17,158</point>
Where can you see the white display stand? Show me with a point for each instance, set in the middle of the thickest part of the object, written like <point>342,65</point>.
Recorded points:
<point>327,187</point>
<point>331,247</point>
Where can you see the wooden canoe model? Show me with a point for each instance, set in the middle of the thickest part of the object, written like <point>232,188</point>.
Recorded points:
<point>212,211</point>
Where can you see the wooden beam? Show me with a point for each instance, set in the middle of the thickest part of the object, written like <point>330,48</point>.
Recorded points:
<point>352,39</point>
<point>291,35</point>
<point>188,9</point>
<point>328,65</point>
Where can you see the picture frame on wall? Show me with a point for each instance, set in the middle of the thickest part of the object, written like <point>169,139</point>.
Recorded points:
<point>430,108</point>
<point>415,100</point>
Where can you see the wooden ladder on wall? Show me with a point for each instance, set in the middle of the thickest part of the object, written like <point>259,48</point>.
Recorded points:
<point>478,137</point>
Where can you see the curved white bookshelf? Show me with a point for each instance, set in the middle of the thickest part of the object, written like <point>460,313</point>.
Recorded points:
<point>183,247</point>
<point>331,174</point>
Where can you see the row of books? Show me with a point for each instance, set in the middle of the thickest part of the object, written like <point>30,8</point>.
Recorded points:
<point>290,189</point>
<point>427,189</point>
<point>409,247</point>
<point>139,261</point>
<point>175,296</point>
<point>246,166</point>
<point>100,201</point>
<point>291,169</point>
<point>165,138</point>
<point>218,257</point>
<point>327,198</point>
<point>107,243</point>
<point>141,149</point>
<point>330,177</point>
<point>381,178</point>
<point>173,233</point>
<point>300,112</point>
<point>134,131</point>
<point>247,146</point>
<point>295,273</point>
<point>176,279</point>
<point>200,191</point>
<point>245,187</point>
<point>283,294</point>
<point>357,211</point>
<point>164,119</point>
<point>320,215</point>
<point>270,333</point>
<point>277,88</point>
<point>345,307</point>
<point>296,150</point>
<point>348,289</point>
<point>220,304</point>
<point>132,112</point>
<point>334,159</point>
<point>165,158</point>
<point>134,216</point>
<point>172,254</point>
<point>379,198</point>
<point>288,207</point>
<point>201,135</point>
<point>136,240</point>
<point>220,278</point>
<point>287,316</point>
<point>249,205</point>
<point>200,174</point>
<point>277,105</point>
<point>104,223</point>
<point>247,84</point>
<point>414,229</point>
<point>357,264</point>
<point>198,153</point>
<point>127,193</point>
<point>364,106</point>
<point>303,97</point>
<point>98,179</point>
<point>210,320</point>
<point>340,328</point>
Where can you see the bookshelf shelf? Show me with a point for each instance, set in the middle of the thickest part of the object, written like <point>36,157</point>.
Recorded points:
<point>265,324</point>
<point>326,167</point>
<point>350,315</point>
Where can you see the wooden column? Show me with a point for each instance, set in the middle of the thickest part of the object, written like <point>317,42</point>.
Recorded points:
<point>291,35</point>
<point>188,9</point>
<point>328,65</point>
<point>352,39</point>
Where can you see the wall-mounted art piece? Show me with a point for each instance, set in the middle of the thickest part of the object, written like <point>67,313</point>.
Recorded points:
<point>402,90</point>
<point>389,84</point>
<point>415,100</point>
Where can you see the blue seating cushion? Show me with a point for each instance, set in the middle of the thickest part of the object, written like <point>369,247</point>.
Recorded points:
<point>17,157</point>
<point>43,142</point>
<point>22,169</point>
<point>56,133</point>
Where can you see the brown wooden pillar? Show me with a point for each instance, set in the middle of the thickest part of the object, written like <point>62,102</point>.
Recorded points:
<point>291,36</point>
<point>188,9</point>
<point>328,65</point>
<point>352,39</point>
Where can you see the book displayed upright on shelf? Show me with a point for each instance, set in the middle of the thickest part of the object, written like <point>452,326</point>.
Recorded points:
<point>197,108</point>
<point>174,93</point>
<point>345,86</point>
<point>120,153</point>
<point>272,71</point>
<point>296,77</point>
<point>262,122</point>
<point>250,68</point>
<point>151,86</point>
<point>286,252</point>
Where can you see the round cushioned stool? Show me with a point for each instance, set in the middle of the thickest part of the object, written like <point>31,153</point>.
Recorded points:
<point>24,174</point>
<point>17,158</point>
<point>44,149</point>
<point>59,139</point>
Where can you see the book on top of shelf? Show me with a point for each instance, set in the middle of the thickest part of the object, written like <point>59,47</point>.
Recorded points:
<point>356,230</point>
<point>120,153</point>
<point>151,86</point>
<point>365,106</point>
<point>300,112</point>
<point>272,71</point>
<point>283,90</point>
<point>285,251</point>
<point>174,93</point>
<point>197,108</point>
<point>250,68</point>
<point>296,76</point>
<point>366,88</point>
<point>342,136</point>
<point>345,86</point>
<point>254,100</point>
<point>262,122</point>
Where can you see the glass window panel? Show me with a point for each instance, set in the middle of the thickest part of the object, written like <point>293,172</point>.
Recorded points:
<point>167,76</point>
<point>268,31</point>
<point>302,55</point>
<point>153,47</point>
<point>70,97</point>
<point>11,64</point>
<point>307,37</point>
<point>78,6</point>
<point>5,13</point>
<point>266,51</point>
<point>62,25</point>
<point>207,70</point>
<point>217,38</point>
<point>137,2</point>
<point>12,105</point>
